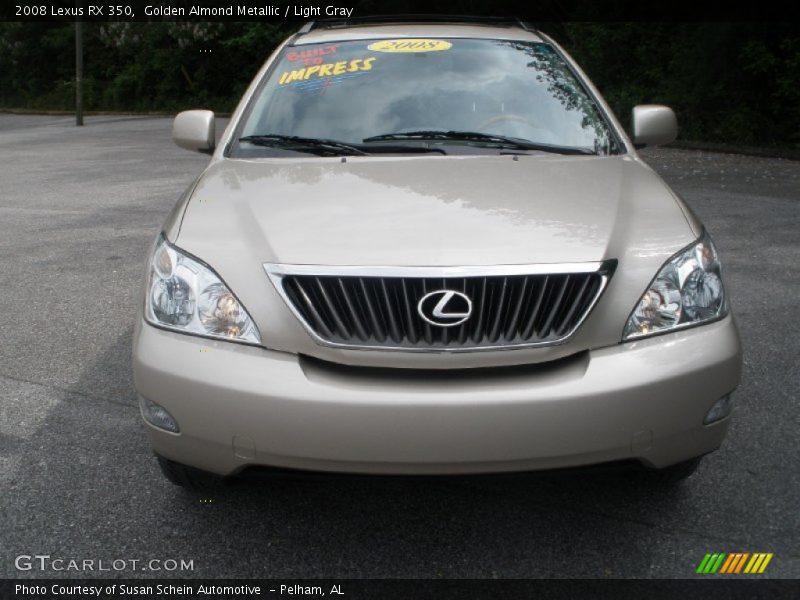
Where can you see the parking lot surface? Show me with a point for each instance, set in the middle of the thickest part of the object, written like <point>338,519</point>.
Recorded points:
<point>79,208</point>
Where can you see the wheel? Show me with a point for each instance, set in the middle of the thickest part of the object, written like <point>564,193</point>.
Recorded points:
<point>674,474</point>
<point>187,477</point>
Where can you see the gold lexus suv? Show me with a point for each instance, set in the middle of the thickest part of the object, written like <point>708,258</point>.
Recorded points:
<point>427,247</point>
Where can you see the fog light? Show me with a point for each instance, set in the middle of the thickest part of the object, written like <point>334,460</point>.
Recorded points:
<point>721,409</point>
<point>157,415</point>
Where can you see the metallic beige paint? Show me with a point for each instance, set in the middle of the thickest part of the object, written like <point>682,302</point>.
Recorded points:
<point>194,130</point>
<point>432,211</point>
<point>592,399</point>
<point>654,125</point>
<point>644,400</point>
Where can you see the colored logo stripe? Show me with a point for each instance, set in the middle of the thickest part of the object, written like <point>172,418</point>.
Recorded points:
<point>734,563</point>
<point>703,563</point>
<point>731,560</point>
<point>710,563</point>
<point>740,564</point>
<point>758,563</point>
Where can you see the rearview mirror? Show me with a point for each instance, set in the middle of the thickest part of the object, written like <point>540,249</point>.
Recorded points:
<point>653,125</point>
<point>194,130</point>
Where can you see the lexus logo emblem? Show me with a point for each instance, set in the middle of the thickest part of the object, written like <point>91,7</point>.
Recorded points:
<point>445,308</point>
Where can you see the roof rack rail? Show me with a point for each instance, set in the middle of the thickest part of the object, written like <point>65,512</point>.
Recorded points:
<point>416,18</point>
<point>307,27</point>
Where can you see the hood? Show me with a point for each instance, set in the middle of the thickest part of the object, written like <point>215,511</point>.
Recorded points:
<point>425,210</point>
<point>432,211</point>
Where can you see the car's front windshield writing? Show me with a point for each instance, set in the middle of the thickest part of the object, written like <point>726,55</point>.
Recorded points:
<point>355,90</point>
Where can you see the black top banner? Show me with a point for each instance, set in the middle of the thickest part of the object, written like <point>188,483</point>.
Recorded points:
<point>304,10</point>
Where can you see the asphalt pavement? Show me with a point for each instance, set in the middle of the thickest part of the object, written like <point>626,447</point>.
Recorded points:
<point>79,208</point>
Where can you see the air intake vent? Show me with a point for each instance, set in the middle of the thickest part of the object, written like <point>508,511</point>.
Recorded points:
<point>409,309</point>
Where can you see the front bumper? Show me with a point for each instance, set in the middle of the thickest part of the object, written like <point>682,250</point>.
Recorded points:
<point>238,405</point>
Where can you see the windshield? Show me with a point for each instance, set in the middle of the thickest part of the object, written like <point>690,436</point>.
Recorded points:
<point>350,92</point>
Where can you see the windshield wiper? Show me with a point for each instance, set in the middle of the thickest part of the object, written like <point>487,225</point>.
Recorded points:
<point>403,149</point>
<point>303,144</point>
<point>475,136</point>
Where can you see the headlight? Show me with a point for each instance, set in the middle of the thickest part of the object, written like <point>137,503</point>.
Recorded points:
<point>687,291</point>
<point>186,295</point>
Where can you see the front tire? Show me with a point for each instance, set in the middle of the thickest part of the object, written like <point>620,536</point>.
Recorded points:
<point>188,477</point>
<point>674,474</point>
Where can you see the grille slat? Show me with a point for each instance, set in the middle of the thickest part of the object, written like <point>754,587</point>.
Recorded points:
<point>477,332</point>
<point>573,307</point>
<point>426,327</point>
<point>554,307</point>
<point>353,310</point>
<point>463,332</point>
<point>534,314</point>
<point>511,328</point>
<point>412,322</point>
<point>390,306</point>
<point>506,310</point>
<point>377,329</point>
<point>497,311</point>
<point>341,328</point>
<point>302,294</point>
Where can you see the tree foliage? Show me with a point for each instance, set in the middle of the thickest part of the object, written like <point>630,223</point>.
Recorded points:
<point>728,82</point>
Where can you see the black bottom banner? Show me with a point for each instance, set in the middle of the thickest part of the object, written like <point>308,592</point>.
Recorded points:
<point>380,589</point>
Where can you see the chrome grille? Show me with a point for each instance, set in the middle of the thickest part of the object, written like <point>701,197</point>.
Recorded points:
<point>374,307</point>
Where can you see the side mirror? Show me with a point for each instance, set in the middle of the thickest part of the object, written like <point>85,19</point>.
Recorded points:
<point>194,130</point>
<point>653,125</point>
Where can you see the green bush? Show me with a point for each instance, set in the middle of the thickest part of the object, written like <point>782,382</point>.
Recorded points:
<point>728,82</point>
